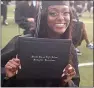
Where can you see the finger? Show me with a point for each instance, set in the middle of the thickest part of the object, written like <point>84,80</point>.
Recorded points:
<point>16,71</point>
<point>66,68</point>
<point>17,56</point>
<point>72,74</point>
<point>12,65</point>
<point>18,60</point>
<point>14,62</point>
<point>68,79</point>
<point>8,67</point>
<point>69,65</point>
<point>63,75</point>
<point>70,70</point>
<point>20,67</point>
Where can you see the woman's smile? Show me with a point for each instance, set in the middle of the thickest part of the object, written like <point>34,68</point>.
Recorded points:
<point>58,18</point>
<point>60,25</point>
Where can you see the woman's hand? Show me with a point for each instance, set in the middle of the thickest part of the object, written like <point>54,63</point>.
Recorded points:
<point>31,19</point>
<point>69,72</point>
<point>12,66</point>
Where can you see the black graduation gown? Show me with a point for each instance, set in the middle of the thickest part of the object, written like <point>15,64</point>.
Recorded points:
<point>10,51</point>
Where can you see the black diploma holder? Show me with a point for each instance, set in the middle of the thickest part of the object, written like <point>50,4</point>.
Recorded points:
<point>42,58</point>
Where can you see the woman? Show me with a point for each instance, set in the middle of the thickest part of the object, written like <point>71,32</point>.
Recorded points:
<point>56,24</point>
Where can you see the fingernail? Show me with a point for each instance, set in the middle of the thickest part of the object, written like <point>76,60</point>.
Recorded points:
<point>64,70</point>
<point>20,67</point>
<point>17,56</point>
<point>69,64</point>
<point>62,75</point>
<point>70,68</point>
<point>16,71</point>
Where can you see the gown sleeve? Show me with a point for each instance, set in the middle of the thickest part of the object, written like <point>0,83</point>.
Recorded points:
<point>74,62</point>
<point>9,51</point>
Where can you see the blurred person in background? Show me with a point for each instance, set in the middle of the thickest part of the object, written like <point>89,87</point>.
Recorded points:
<point>80,34</point>
<point>90,7</point>
<point>79,5</point>
<point>25,15</point>
<point>79,31</point>
<point>4,4</point>
<point>18,2</point>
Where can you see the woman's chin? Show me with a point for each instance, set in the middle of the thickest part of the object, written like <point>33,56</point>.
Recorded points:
<point>60,32</point>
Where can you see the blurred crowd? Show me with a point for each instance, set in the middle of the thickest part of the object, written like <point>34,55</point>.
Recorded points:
<point>79,6</point>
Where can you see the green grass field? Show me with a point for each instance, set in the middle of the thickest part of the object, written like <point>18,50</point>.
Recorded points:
<point>86,72</point>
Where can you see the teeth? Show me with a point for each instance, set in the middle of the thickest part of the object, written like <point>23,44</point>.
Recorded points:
<point>59,25</point>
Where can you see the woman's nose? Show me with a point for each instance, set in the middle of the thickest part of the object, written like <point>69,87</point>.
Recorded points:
<point>60,17</point>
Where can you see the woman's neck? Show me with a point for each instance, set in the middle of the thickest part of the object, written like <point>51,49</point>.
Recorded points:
<point>53,35</point>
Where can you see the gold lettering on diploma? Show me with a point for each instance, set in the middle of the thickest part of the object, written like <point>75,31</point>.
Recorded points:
<point>44,58</point>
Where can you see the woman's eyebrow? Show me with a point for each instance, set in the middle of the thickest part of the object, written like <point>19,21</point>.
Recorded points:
<point>55,9</point>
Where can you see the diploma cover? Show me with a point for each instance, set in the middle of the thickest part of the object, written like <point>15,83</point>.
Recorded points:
<point>42,58</point>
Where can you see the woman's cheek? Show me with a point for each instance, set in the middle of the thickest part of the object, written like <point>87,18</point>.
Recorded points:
<point>50,22</point>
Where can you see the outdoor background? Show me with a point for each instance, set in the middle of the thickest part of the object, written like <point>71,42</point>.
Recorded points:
<point>86,72</point>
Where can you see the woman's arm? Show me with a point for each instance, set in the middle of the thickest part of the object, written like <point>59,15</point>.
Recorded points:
<point>70,76</point>
<point>8,52</point>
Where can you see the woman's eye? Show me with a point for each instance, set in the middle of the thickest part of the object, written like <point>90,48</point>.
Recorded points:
<point>66,13</point>
<point>52,13</point>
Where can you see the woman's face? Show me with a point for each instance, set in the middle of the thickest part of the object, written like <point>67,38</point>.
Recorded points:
<point>58,18</point>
